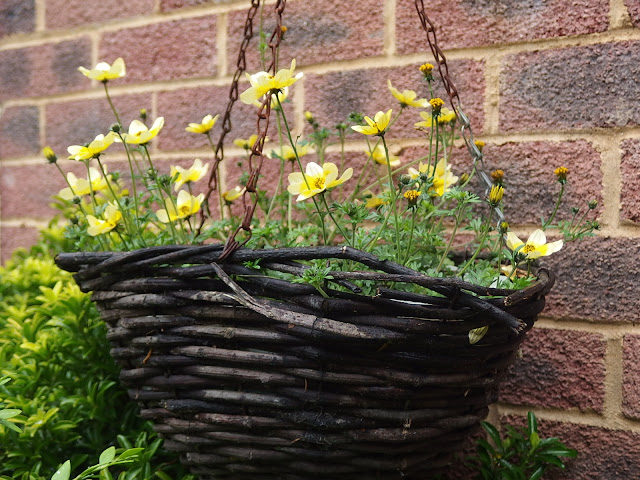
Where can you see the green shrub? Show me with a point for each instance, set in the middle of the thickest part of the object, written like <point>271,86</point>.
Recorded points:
<point>59,392</point>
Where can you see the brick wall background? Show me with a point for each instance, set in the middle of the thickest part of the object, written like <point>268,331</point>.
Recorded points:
<point>545,82</point>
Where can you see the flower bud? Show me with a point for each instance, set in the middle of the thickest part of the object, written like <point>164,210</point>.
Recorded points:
<point>115,127</point>
<point>593,204</point>
<point>497,176</point>
<point>503,227</point>
<point>76,200</point>
<point>561,173</point>
<point>405,180</point>
<point>143,113</point>
<point>497,191</point>
<point>436,106</point>
<point>49,154</point>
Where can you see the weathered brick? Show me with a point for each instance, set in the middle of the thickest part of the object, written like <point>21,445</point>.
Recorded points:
<point>603,454</point>
<point>470,23</point>
<point>79,121</point>
<point>46,69</point>
<point>333,96</point>
<point>71,13</point>
<point>629,167</point>
<point>17,16</point>
<point>531,187</point>
<point>19,131</point>
<point>633,6</point>
<point>596,280</point>
<point>316,32</point>
<point>164,51</point>
<point>181,107</point>
<point>27,190</point>
<point>16,237</point>
<point>631,378</point>
<point>558,369</point>
<point>578,87</point>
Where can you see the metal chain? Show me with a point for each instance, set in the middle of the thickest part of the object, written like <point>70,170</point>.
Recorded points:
<point>262,126</point>
<point>454,98</point>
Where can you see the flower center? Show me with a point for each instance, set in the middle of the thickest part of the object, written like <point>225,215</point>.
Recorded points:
<point>528,248</point>
<point>319,183</point>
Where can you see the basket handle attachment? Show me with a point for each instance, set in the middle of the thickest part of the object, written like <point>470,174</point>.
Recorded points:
<point>249,197</point>
<point>465,125</point>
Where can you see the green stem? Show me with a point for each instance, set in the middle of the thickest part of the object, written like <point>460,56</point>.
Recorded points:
<point>219,189</point>
<point>413,224</point>
<point>394,197</point>
<point>481,244</point>
<point>113,108</point>
<point>342,232</point>
<point>555,209</point>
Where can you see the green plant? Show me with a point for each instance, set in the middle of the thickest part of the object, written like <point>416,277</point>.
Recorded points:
<point>520,455</point>
<point>59,392</point>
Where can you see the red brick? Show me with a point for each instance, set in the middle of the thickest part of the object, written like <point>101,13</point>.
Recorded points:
<point>337,31</point>
<point>16,237</point>
<point>78,122</point>
<point>19,131</point>
<point>333,96</point>
<point>558,369</point>
<point>71,13</point>
<point>603,454</point>
<point>17,16</point>
<point>631,378</point>
<point>27,190</point>
<point>531,187</point>
<point>633,6</point>
<point>47,69</point>
<point>470,23</point>
<point>596,280</point>
<point>164,51</point>
<point>629,167</point>
<point>570,88</point>
<point>181,107</point>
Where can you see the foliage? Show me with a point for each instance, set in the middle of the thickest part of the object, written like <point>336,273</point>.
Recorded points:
<point>520,455</point>
<point>59,393</point>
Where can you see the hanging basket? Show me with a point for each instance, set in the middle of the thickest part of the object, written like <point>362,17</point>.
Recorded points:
<point>256,377</point>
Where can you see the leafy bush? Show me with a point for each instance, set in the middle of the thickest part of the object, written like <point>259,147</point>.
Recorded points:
<point>520,455</point>
<point>59,392</point>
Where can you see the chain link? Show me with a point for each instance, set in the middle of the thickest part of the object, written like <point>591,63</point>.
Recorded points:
<point>250,196</point>
<point>454,98</point>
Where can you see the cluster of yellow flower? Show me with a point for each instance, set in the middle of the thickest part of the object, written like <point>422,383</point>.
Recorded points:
<point>419,181</point>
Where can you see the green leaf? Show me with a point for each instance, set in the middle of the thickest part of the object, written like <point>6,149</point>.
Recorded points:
<point>9,413</point>
<point>108,455</point>
<point>534,439</point>
<point>64,472</point>
<point>537,475</point>
<point>130,453</point>
<point>493,433</point>
<point>532,423</point>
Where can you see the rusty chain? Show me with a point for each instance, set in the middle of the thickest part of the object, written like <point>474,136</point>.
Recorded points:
<point>262,126</point>
<point>454,98</point>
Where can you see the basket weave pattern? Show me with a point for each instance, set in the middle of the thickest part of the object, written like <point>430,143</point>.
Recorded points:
<point>249,376</point>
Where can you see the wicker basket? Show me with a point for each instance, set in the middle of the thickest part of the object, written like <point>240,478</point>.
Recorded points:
<point>249,376</point>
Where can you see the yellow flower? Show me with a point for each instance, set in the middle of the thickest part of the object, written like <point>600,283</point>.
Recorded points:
<point>436,105</point>
<point>233,194</point>
<point>380,157</point>
<point>203,127</point>
<point>83,186</point>
<point>111,218</point>
<point>497,176</point>
<point>191,174</point>
<point>263,83</point>
<point>374,202</point>
<point>407,98</point>
<point>377,126</point>
<point>281,95</point>
<point>287,153</point>
<point>139,134</point>
<point>495,195</point>
<point>246,144</point>
<point>445,117</point>
<point>478,143</point>
<point>316,180</point>
<point>536,245</point>
<point>103,72</point>
<point>94,149</point>
<point>561,174</point>
<point>426,69</point>
<point>185,206</point>
<point>443,178</point>
<point>412,197</point>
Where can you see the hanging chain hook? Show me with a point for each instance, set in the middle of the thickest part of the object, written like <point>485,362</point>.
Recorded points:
<point>454,98</point>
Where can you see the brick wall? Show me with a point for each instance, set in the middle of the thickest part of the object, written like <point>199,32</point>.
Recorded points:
<point>545,83</point>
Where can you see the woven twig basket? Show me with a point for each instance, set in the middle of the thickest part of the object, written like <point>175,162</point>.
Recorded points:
<point>260,378</point>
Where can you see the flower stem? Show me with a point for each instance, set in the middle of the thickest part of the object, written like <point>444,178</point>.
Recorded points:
<point>394,196</point>
<point>113,108</point>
